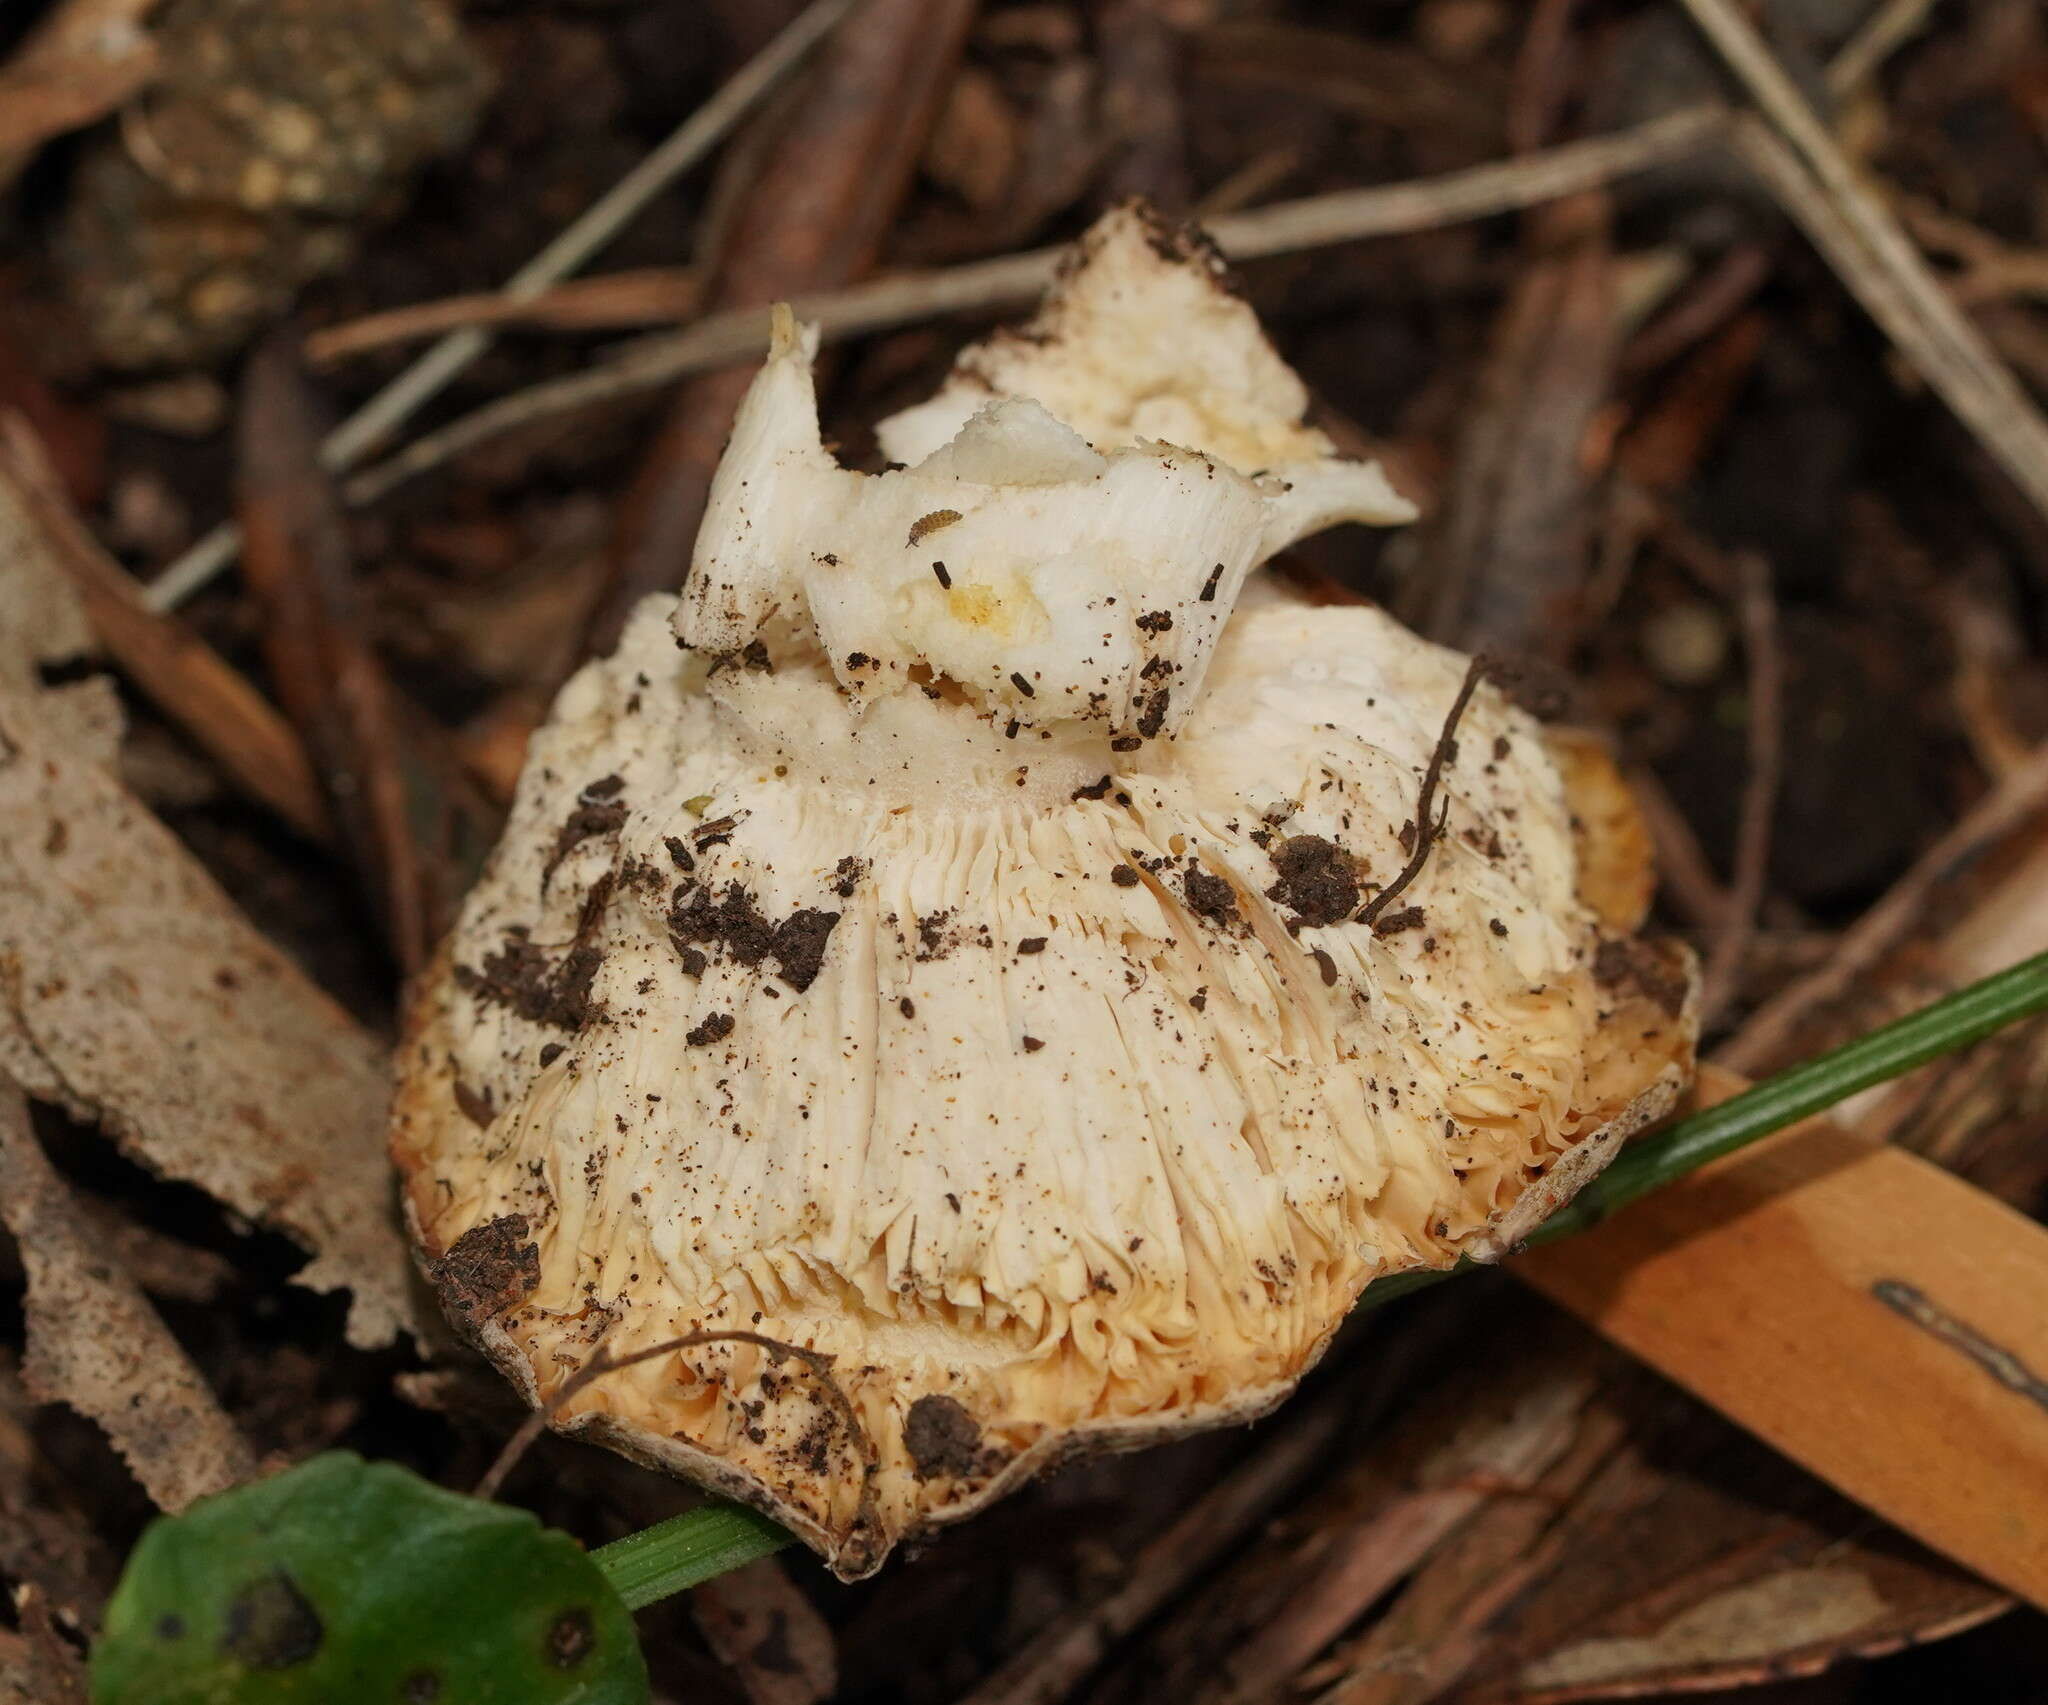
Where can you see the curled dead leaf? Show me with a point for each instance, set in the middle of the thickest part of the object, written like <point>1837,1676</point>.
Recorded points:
<point>96,1344</point>
<point>133,993</point>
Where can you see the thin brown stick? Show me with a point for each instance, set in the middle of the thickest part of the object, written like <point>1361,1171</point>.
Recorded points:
<point>1507,559</point>
<point>2018,797</point>
<point>566,253</point>
<point>297,560</point>
<point>1804,167</point>
<point>1542,67</point>
<point>613,301</point>
<point>186,678</point>
<point>1758,612</point>
<point>602,1362</point>
<point>1993,270</point>
<point>1700,311</point>
<point>1287,227</point>
<point>1428,832</point>
<point>1891,24</point>
<point>1683,871</point>
<point>814,216</point>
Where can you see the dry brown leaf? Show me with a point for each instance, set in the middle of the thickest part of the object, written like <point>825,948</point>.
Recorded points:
<point>46,626</point>
<point>768,1634</point>
<point>83,61</point>
<point>96,1344</point>
<point>132,992</point>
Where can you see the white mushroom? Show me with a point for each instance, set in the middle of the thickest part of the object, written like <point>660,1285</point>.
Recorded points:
<point>1004,947</point>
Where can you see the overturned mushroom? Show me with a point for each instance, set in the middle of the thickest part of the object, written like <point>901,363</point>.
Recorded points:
<point>1013,952</point>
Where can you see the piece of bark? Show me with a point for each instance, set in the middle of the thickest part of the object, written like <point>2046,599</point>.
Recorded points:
<point>1506,1441</point>
<point>1506,566</point>
<point>133,993</point>
<point>814,218</point>
<point>613,301</point>
<point>1141,60</point>
<point>1049,1667</point>
<point>1662,1553</point>
<point>768,1635</point>
<point>1653,1518</point>
<point>225,716</point>
<point>97,1345</point>
<point>296,559</point>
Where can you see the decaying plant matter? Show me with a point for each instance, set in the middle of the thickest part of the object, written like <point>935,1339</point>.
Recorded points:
<point>958,937</point>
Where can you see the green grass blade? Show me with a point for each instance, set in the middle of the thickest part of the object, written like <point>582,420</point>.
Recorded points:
<point>658,1561</point>
<point>685,1550</point>
<point>1951,1023</point>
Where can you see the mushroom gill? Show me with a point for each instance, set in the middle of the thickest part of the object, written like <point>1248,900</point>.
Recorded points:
<point>942,942</point>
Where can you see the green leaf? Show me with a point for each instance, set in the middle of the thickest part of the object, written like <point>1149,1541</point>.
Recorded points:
<point>345,1580</point>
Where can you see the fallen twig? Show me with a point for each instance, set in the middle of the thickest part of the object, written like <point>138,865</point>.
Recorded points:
<point>1140,49</point>
<point>1993,270</point>
<point>1428,828</point>
<point>813,217</point>
<point>1772,1027</point>
<point>1508,553</point>
<point>598,224</point>
<point>613,301</point>
<point>1800,162</point>
<point>1883,33</point>
<point>1758,611</point>
<point>1343,216</point>
<point>1683,871</point>
<point>297,561</point>
<point>1699,311</point>
<point>227,717</point>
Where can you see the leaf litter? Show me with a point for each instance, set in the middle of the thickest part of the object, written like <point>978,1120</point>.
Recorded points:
<point>135,995</point>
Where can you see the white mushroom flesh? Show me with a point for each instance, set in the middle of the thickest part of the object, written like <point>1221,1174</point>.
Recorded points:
<point>946,959</point>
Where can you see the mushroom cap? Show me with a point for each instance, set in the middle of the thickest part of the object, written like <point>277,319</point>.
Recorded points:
<point>943,997</point>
